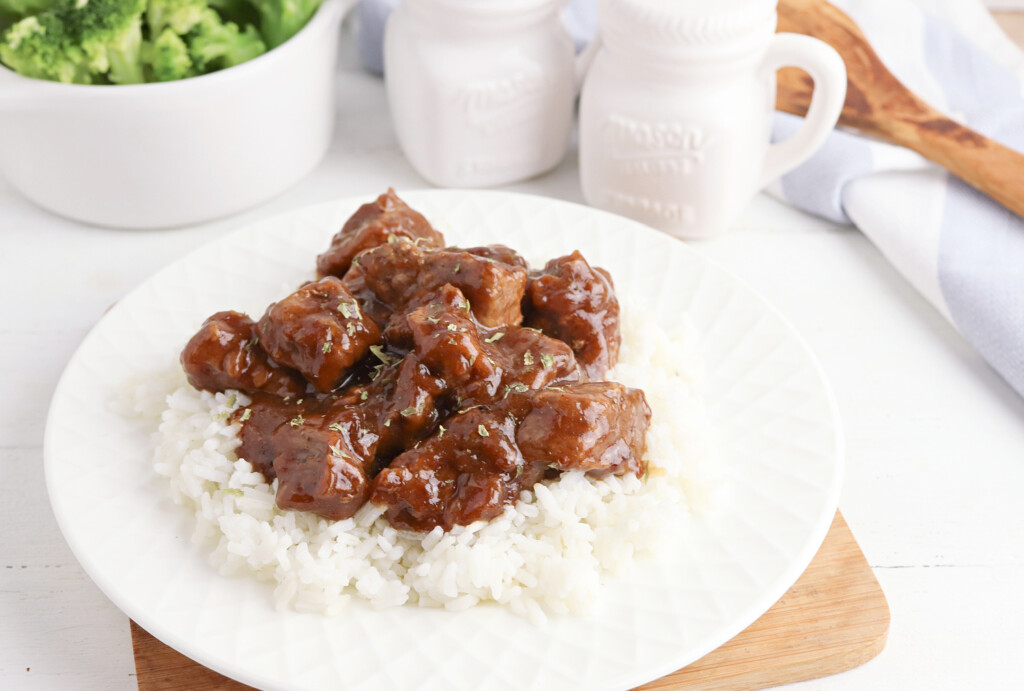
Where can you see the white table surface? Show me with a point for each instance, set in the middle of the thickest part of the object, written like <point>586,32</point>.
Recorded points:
<point>935,462</point>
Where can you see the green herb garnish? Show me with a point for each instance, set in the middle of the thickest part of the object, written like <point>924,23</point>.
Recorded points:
<point>517,387</point>
<point>378,351</point>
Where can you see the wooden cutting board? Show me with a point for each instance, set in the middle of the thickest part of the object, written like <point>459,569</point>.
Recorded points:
<point>833,619</point>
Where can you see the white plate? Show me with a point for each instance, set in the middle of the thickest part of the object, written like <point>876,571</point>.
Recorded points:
<point>781,450</point>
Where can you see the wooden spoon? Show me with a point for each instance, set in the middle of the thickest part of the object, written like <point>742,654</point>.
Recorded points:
<point>878,104</point>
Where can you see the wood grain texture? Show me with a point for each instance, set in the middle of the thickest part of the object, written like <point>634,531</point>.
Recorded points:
<point>161,668</point>
<point>834,618</point>
<point>1013,24</point>
<point>879,104</point>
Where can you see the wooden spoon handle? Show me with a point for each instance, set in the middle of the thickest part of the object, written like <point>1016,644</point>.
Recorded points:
<point>983,163</point>
<point>879,104</point>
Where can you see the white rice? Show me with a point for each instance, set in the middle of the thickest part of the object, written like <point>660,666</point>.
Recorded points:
<point>547,554</point>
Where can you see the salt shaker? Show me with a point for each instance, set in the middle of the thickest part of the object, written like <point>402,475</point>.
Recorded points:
<point>481,93</point>
<point>675,113</point>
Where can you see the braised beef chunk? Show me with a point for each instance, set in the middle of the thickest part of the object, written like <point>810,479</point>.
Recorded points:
<point>259,421</point>
<point>403,398</point>
<point>407,376</point>
<point>372,225</point>
<point>576,303</point>
<point>531,359</point>
<point>599,427</point>
<point>480,365</point>
<point>379,312</point>
<point>397,332</point>
<point>466,472</point>
<point>319,452</point>
<point>226,354</point>
<point>321,464</point>
<point>498,253</point>
<point>400,272</point>
<point>447,339</point>
<point>319,330</point>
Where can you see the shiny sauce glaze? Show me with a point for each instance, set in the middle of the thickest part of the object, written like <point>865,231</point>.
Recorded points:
<point>436,382</point>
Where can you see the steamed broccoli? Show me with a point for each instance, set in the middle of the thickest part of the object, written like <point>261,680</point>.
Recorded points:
<point>215,44</point>
<point>238,11</point>
<point>282,19</point>
<point>23,8</point>
<point>110,33</point>
<point>179,15</point>
<point>79,42</point>
<point>131,41</point>
<point>168,57</point>
<point>40,47</point>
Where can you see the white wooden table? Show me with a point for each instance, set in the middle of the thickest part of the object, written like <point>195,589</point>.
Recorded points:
<point>935,439</point>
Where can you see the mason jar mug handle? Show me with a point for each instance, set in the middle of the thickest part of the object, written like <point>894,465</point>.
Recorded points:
<point>828,71</point>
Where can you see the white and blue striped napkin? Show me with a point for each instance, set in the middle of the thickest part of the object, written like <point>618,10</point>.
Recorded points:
<point>961,250</point>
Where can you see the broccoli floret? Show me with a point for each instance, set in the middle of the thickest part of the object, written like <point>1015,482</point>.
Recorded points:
<point>215,44</point>
<point>23,8</point>
<point>40,47</point>
<point>238,11</point>
<point>168,57</point>
<point>179,15</point>
<point>110,33</point>
<point>130,41</point>
<point>282,19</point>
<point>79,41</point>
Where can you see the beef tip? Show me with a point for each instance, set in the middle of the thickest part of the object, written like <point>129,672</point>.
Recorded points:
<point>576,304</point>
<point>399,272</point>
<point>530,358</point>
<point>448,340</point>
<point>466,472</point>
<point>319,330</point>
<point>371,226</point>
<point>226,354</point>
<point>599,427</point>
<point>259,421</point>
<point>389,273</point>
<point>368,302</point>
<point>319,453</point>
<point>322,462</point>
<point>397,332</point>
<point>530,361</point>
<point>480,365</point>
<point>403,400</point>
<point>498,253</point>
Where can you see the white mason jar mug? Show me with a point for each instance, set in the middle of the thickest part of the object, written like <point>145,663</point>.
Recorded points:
<point>676,111</point>
<point>481,92</point>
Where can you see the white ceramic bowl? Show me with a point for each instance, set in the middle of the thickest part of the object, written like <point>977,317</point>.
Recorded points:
<point>160,155</point>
